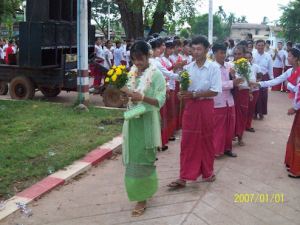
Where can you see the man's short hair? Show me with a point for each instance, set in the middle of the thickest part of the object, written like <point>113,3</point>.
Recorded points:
<point>200,40</point>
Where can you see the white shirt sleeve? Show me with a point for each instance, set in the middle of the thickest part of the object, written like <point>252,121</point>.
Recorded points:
<point>270,69</point>
<point>165,72</point>
<point>216,80</point>
<point>277,80</point>
<point>297,106</point>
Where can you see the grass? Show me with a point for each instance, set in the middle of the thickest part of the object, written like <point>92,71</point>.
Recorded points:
<point>38,138</point>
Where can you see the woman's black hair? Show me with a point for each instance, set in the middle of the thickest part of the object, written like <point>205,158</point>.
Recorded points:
<point>295,51</point>
<point>169,43</point>
<point>177,42</point>
<point>186,42</point>
<point>248,52</point>
<point>138,49</point>
<point>107,41</point>
<point>289,43</point>
<point>153,42</point>
<point>200,40</point>
<point>231,43</point>
<point>226,43</point>
<point>129,44</point>
<point>219,46</point>
<point>267,42</point>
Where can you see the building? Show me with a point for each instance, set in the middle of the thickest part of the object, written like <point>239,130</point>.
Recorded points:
<point>274,39</point>
<point>258,31</point>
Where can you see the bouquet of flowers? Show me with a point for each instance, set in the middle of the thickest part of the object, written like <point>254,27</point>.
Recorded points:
<point>184,80</point>
<point>242,67</point>
<point>118,77</point>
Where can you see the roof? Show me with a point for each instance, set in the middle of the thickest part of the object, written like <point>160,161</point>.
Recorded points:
<point>249,26</point>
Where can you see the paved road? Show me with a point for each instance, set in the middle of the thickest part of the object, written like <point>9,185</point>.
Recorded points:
<point>64,97</point>
<point>99,196</point>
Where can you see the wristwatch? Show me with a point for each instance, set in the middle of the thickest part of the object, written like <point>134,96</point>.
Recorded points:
<point>194,94</point>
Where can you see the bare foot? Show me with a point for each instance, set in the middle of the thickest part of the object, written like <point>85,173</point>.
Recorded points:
<point>240,140</point>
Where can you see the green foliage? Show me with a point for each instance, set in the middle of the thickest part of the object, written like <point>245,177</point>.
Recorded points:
<point>37,136</point>
<point>290,21</point>
<point>184,33</point>
<point>200,26</point>
<point>100,15</point>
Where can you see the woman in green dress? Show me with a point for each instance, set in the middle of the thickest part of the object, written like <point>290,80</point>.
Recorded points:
<point>141,135</point>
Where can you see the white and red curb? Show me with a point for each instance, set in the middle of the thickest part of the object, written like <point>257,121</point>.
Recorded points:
<point>60,177</point>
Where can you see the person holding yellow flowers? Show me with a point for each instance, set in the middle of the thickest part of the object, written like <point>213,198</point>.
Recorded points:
<point>141,134</point>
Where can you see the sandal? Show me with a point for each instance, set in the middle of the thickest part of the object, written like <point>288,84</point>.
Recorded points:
<point>138,212</point>
<point>176,185</point>
<point>211,179</point>
<point>294,176</point>
<point>251,130</point>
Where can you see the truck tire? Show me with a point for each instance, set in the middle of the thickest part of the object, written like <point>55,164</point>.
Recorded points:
<point>21,88</point>
<point>3,88</point>
<point>112,97</point>
<point>50,92</point>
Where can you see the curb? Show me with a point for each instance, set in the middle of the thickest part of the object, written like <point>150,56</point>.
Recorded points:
<point>60,177</point>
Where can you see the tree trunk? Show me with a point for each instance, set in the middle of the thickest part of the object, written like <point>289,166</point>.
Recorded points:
<point>163,6</point>
<point>132,20</point>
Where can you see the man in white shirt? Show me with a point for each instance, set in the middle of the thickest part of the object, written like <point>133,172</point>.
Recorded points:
<point>197,148</point>
<point>264,61</point>
<point>278,64</point>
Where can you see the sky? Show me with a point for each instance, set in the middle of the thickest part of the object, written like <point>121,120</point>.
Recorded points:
<point>254,10</point>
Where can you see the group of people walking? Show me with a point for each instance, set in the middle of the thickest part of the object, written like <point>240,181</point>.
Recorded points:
<point>217,108</point>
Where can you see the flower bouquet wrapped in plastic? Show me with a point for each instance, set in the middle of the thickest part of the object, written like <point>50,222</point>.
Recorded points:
<point>243,68</point>
<point>184,80</point>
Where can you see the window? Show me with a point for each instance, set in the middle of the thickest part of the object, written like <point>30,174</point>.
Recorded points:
<point>256,32</point>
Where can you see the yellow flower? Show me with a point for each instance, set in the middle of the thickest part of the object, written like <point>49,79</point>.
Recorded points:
<point>118,71</point>
<point>243,64</point>
<point>132,73</point>
<point>190,81</point>
<point>110,72</point>
<point>114,78</point>
<point>114,67</point>
<point>107,79</point>
<point>35,106</point>
<point>122,67</point>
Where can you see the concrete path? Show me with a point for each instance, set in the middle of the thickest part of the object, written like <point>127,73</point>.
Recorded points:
<point>99,196</point>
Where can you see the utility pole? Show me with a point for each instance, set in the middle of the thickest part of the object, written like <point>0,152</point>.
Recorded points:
<point>108,25</point>
<point>210,22</point>
<point>82,52</point>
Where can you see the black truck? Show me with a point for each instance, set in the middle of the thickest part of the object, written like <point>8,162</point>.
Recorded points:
<point>47,57</point>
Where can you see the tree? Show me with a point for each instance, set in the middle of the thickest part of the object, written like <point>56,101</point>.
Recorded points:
<point>200,26</point>
<point>139,15</point>
<point>242,19</point>
<point>290,21</point>
<point>184,33</point>
<point>9,9</point>
<point>100,14</point>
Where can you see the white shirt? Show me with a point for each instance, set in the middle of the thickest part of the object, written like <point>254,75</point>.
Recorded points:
<point>255,69</point>
<point>208,77</point>
<point>99,51</point>
<point>286,54</point>
<point>127,58</point>
<point>230,52</point>
<point>124,53</point>
<point>270,52</point>
<point>118,56</point>
<point>278,63</point>
<point>168,74</point>
<point>109,55</point>
<point>3,53</point>
<point>188,58</point>
<point>265,63</point>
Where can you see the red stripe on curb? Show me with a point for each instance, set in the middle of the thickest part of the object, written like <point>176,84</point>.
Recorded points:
<point>96,156</point>
<point>41,187</point>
